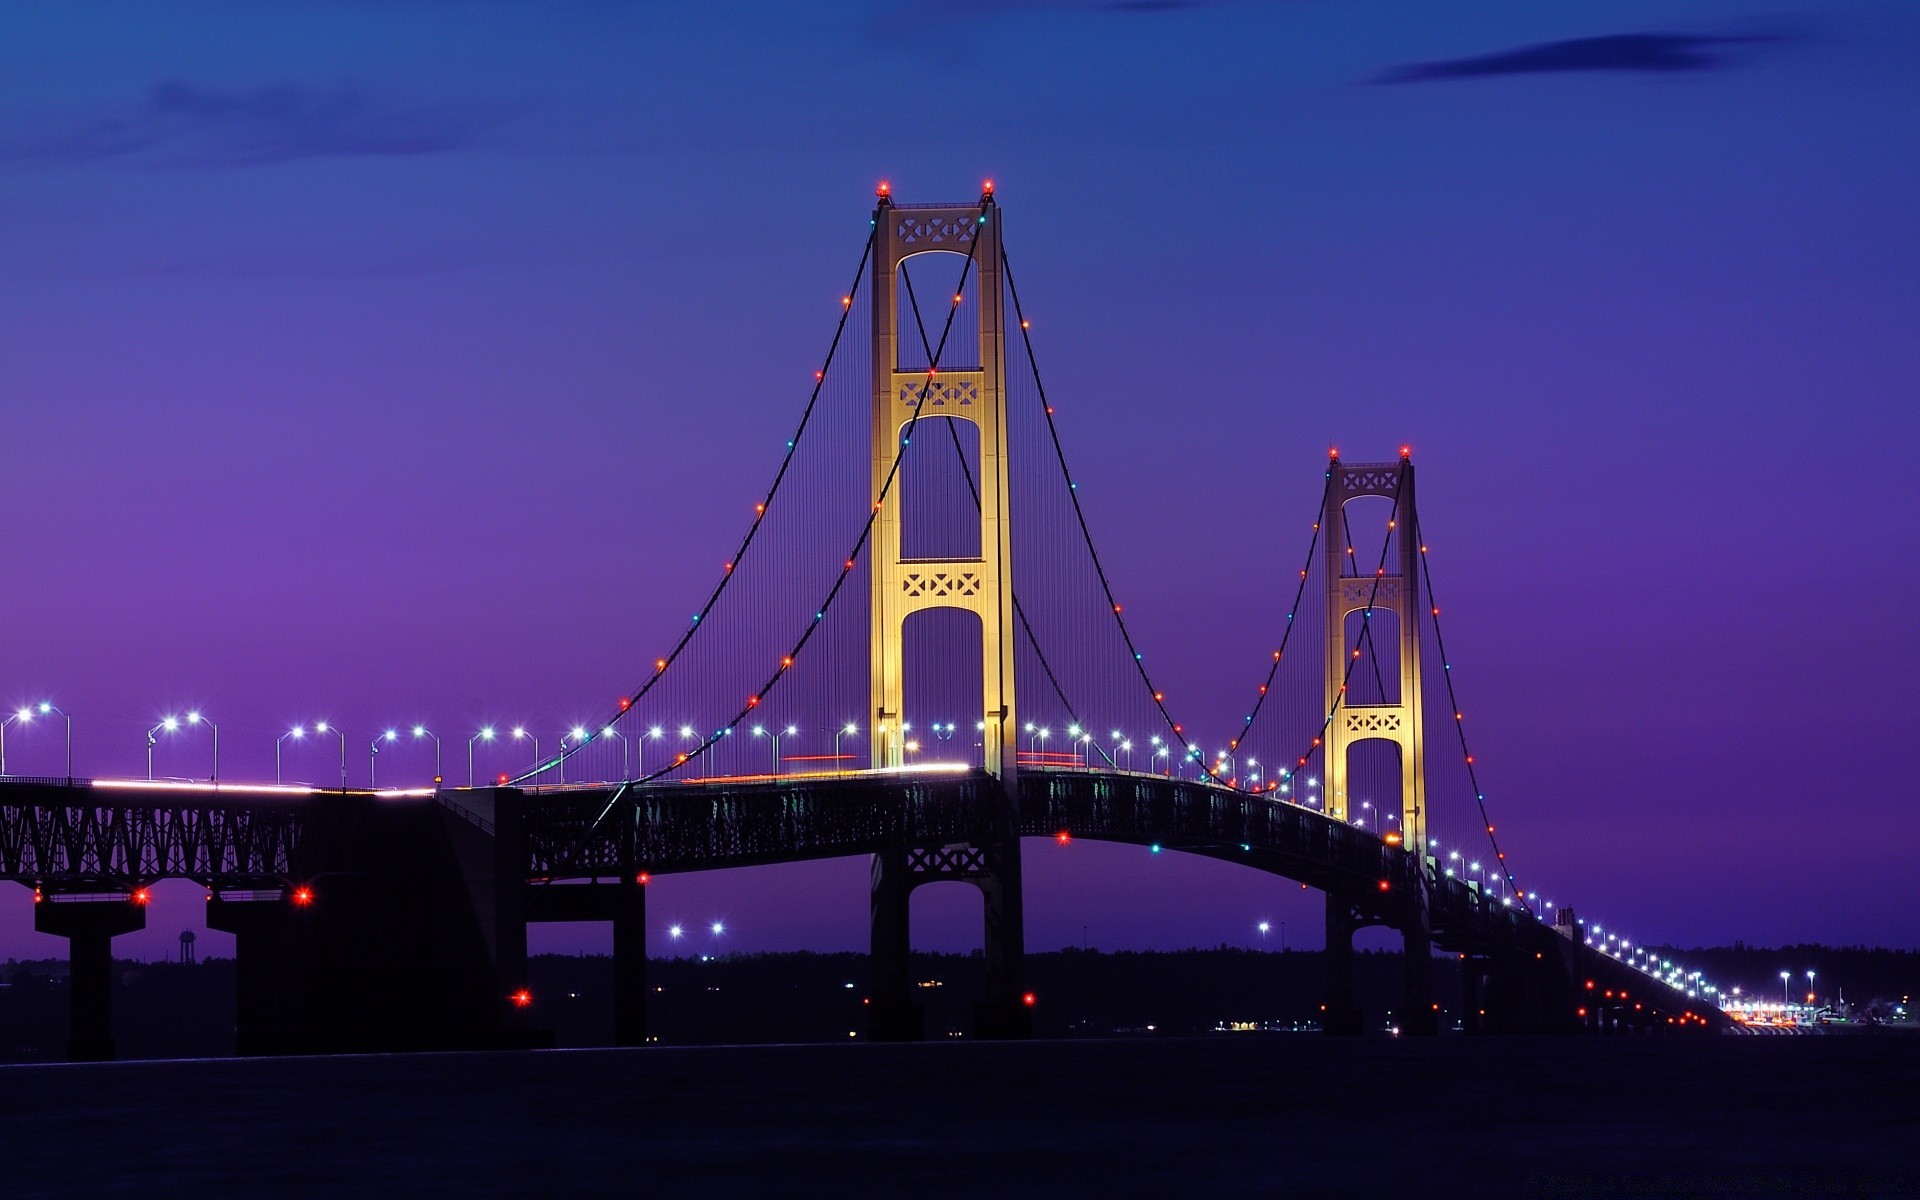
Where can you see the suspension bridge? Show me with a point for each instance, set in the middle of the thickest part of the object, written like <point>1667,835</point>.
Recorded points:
<point>881,573</point>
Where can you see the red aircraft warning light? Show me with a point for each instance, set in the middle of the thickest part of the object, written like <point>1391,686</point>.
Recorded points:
<point>302,897</point>
<point>522,999</point>
<point>1029,1000</point>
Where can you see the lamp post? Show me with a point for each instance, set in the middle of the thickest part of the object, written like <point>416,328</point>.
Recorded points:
<point>323,727</point>
<point>45,709</point>
<point>168,725</point>
<point>843,731</point>
<point>626,761</point>
<point>200,718</point>
<point>421,731</point>
<point>1784,997</point>
<point>580,737</point>
<point>762,731</point>
<point>640,748</point>
<point>485,735</point>
<point>688,735</point>
<point>1264,926</point>
<point>1809,986</point>
<point>24,715</point>
<point>297,733</point>
<point>373,749</point>
<point>520,731</point>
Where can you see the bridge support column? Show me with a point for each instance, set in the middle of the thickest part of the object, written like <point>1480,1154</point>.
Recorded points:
<point>1421,1018</point>
<point>273,999</point>
<point>630,963</point>
<point>1340,1013</point>
<point>89,927</point>
<point>1004,1013</point>
<point>1473,1008</point>
<point>892,1014</point>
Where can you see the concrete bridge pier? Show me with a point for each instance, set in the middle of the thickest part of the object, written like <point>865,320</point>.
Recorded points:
<point>89,927</point>
<point>630,963</point>
<point>1005,1012</point>
<point>1473,994</point>
<point>1339,1012</point>
<point>892,1013</point>
<point>272,997</point>
<point>624,905</point>
<point>994,867</point>
<point>1422,1015</point>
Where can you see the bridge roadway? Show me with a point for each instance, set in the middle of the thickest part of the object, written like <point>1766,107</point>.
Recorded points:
<point>88,848</point>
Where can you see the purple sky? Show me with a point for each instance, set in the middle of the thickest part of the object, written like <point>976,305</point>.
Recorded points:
<point>392,361</point>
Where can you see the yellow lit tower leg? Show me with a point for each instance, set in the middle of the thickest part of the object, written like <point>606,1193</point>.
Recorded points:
<point>1356,584</point>
<point>982,585</point>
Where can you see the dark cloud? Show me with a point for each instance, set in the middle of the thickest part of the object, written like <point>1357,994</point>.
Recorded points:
<point>1666,52</point>
<point>182,124</point>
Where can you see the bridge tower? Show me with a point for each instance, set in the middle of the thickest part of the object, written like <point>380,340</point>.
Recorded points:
<point>1358,586</point>
<point>974,390</point>
<point>982,585</point>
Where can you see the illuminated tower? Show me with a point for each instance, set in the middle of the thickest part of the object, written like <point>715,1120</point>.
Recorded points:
<point>1356,585</point>
<point>972,391</point>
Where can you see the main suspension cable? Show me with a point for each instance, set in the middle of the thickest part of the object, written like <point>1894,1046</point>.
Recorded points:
<point>1459,723</point>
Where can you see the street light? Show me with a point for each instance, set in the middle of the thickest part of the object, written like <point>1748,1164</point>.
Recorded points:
<point>519,732</point>
<point>1809,986</point>
<point>44,708</point>
<point>172,725</point>
<point>1784,997</point>
<point>845,730</point>
<point>687,734</point>
<point>1264,926</point>
<point>373,748</point>
<point>167,724</point>
<point>789,731</point>
<point>421,731</point>
<point>485,735</point>
<point>323,727</point>
<point>626,763</point>
<point>23,716</point>
<point>199,718</point>
<point>297,733</point>
<point>580,737</point>
<point>640,748</point>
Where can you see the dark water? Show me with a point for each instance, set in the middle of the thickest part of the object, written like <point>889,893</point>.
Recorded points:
<point>1255,1116</point>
